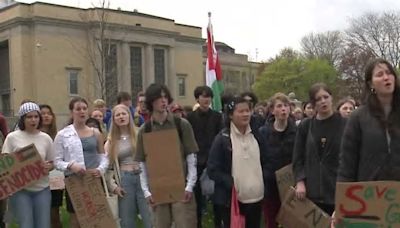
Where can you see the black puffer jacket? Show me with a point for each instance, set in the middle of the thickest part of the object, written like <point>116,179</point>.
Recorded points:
<point>219,166</point>
<point>365,152</point>
<point>319,172</point>
<point>279,154</point>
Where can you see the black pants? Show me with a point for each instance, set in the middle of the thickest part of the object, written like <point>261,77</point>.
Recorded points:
<point>222,216</point>
<point>201,202</point>
<point>3,207</point>
<point>251,212</point>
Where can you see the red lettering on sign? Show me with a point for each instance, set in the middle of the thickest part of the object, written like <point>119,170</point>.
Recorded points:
<point>350,193</point>
<point>380,193</point>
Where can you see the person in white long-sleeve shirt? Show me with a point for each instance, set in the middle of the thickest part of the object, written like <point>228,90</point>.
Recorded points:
<point>79,149</point>
<point>182,213</point>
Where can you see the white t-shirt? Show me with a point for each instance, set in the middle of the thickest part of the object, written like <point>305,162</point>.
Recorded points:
<point>44,144</point>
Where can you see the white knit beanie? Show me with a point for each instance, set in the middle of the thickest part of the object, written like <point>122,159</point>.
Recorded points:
<point>28,107</point>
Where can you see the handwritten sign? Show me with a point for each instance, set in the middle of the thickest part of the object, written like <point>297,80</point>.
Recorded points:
<point>20,169</point>
<point>301,213</point>
<point>164,166</point>
<point>56,180</point>
<point>368,204</point>
<point>89,201</point>
<point>285,180</point>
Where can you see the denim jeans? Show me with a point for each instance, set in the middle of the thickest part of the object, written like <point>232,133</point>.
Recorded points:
<point>32,209</point>
<point>132,200</point>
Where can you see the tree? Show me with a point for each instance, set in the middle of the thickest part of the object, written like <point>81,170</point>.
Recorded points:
<point>327,46</point>
<point>99,50</point>
<point>294,75</point>
<point>378,33</point>
<point>351,68</point>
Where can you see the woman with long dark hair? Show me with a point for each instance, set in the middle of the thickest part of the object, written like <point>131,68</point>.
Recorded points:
<point>31,205</point>
<point>371,140</point>
<point>316,150</point>
<point>236,160</point>
<point>49,127</point>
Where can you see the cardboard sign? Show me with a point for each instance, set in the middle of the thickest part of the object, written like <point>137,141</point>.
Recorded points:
<point>56,180</point>
<point>164,166</point>
<point>20,169</point>
<point>368,204</point>
<point>285,180</point>
<point>301,213</point>
<point>89,201</point>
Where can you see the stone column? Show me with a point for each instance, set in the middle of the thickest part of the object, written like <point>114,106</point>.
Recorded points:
<point>148,73</point>
<point>170,76</point>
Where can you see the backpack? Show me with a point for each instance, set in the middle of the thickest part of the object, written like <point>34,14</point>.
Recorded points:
<point>177,121</point>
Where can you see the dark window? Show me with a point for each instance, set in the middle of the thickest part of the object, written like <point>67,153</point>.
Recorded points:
<point>181,85</point>
<point>73,81</point>
<point>159,65</point>
<point>136,71</point>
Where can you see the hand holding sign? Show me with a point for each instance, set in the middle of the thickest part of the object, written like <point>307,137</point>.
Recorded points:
<point>48,166</point>
<point>76,168</point>
<point>300,190</point>
<point>94,172</point>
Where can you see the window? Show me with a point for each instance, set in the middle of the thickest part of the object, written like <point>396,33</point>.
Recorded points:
<point>5,104</point>
<point>73,81</point>
<point>159,65</point>
<point>181,85</point>
<point>136,71</point>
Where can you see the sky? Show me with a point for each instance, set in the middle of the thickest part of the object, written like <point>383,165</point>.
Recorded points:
<point>258,28</point>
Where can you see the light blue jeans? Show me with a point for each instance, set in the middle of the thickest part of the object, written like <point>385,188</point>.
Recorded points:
<point>32,209</point>
<point>132,200</point>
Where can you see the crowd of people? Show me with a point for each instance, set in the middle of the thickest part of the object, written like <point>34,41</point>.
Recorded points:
<point>240,149</point>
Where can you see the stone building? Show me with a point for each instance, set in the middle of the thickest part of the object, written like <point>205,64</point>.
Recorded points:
<point>49,53</point>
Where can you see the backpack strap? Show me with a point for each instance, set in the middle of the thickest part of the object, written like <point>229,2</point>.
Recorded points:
<point>147,127</point>
<point>177,121</point>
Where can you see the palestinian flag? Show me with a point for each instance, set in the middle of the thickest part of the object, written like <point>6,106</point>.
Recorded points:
<point>213,69</point>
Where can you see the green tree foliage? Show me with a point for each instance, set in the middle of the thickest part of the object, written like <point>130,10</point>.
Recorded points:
<point>294,74</point>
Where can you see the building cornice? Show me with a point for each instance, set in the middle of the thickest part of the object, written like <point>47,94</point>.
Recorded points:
<point>110,26</point>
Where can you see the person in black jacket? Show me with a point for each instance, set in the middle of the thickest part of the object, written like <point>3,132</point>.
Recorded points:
<point>316,151</point>
<point>371,142</point>
<point>279,135</point>
<point>206,124</point>
<point>237,160</point>
<point>256,120</point>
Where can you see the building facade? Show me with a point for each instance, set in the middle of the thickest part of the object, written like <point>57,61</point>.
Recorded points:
<point>51,53</point>
<point>238,74</point>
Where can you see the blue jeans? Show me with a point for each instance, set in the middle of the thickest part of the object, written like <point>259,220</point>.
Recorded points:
<point>132,200</point>
<point>32,209</point>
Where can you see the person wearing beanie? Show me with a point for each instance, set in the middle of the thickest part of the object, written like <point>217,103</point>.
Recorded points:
<point>31,205</point>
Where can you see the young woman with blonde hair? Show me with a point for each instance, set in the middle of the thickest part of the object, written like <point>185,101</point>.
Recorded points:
<point>125,180</point>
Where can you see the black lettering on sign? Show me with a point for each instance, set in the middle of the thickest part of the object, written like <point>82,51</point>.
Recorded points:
<point>292,201</point>
<point>316,216</point>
